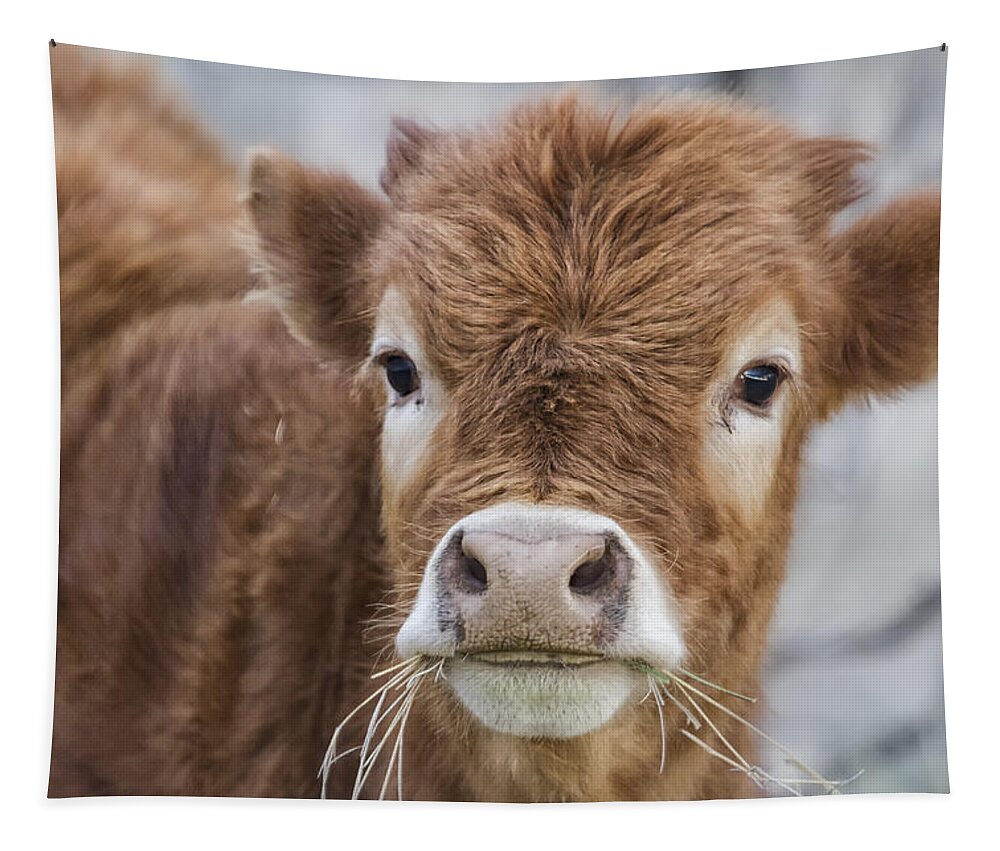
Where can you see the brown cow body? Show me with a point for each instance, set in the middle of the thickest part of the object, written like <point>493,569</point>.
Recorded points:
<point>578,291</point>
<point>217,555</point>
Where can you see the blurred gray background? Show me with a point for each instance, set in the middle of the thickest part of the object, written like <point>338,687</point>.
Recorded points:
<point>854,674</point>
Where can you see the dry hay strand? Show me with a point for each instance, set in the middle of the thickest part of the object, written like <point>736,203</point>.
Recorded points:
<point>404,678</point>
<point>690,699</point>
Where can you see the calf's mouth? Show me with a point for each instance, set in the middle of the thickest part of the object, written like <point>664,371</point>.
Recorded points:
<point>538,658</point>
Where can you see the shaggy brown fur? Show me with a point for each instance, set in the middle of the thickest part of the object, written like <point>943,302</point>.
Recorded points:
<point>576,283</point>
<point>217,545</point>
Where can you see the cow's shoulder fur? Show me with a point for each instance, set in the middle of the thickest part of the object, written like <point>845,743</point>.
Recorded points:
<point>216,559</point>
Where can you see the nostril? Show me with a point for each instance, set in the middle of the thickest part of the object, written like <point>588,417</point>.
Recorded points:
<point>473,572</point>
<point>592,574</point>
<point>466,568</point>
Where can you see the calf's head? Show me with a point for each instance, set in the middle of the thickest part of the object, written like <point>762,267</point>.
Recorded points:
<point>597,347</point>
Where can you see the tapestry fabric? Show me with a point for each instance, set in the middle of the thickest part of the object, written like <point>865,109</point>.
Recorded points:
<point>498,442</point>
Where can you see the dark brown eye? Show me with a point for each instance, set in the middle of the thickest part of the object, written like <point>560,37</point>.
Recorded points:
<point>758,383</point>
<point>401,373</point>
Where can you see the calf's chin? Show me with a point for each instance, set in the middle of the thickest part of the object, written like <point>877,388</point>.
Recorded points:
<point>543,701</point>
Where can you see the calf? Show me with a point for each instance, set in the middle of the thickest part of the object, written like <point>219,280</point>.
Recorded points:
<point>546,408</point>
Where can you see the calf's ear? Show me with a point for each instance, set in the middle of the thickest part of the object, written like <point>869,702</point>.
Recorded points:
<point>405,150</point>
<point>887,303</point>
<point>310,232</point>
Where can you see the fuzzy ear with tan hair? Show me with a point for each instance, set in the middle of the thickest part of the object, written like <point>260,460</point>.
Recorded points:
<point>888,303</point>
<point>403,153</point>
<point>311,230</point>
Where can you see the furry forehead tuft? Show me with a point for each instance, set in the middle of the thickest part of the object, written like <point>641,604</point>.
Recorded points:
<point>558,144</point>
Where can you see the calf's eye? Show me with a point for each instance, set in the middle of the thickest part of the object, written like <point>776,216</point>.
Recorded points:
<point>401,373</point>
<point>758,383</point>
